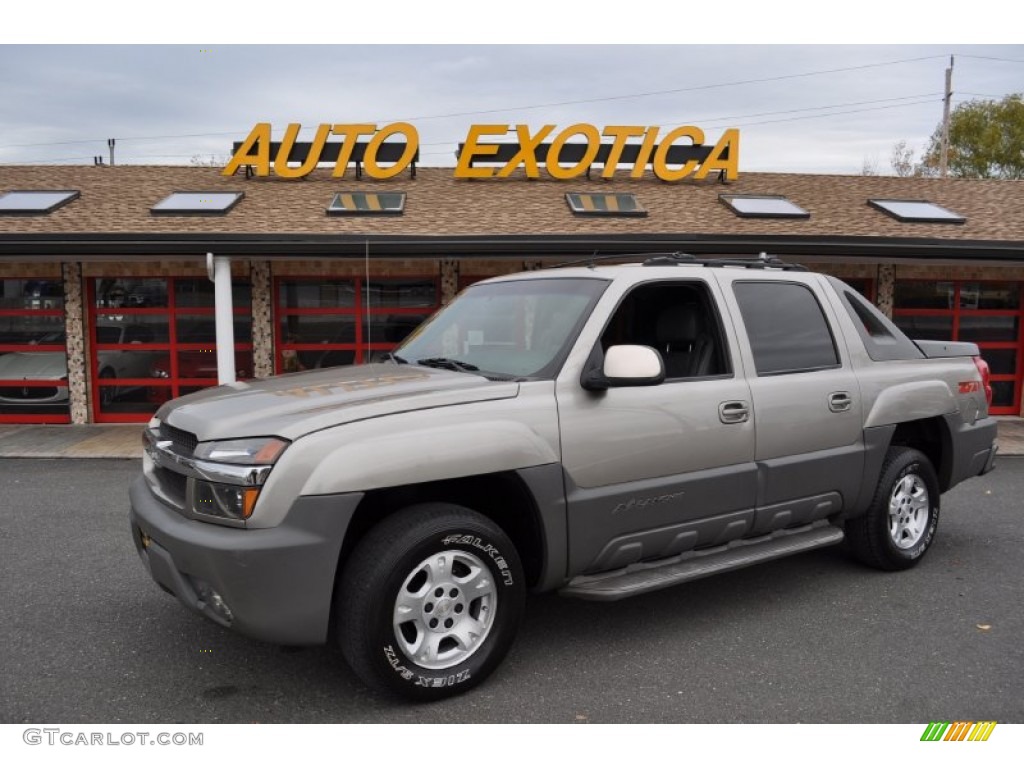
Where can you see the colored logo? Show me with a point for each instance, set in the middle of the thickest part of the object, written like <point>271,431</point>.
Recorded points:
<point>959,731</point>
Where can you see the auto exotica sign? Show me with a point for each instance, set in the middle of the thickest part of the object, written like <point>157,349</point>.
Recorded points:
<point>488,152</point>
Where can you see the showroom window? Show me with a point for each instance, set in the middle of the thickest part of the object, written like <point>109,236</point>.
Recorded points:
<point>33,351</point>
<point>987,313</point>
<point>327,321</point>
<point>153,339</point>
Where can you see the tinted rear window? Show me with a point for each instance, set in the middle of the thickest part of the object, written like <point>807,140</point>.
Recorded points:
<point>786,327</point>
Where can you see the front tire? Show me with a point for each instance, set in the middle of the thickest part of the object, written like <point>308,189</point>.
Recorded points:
<point>429,602</point>
<point>900,524</point>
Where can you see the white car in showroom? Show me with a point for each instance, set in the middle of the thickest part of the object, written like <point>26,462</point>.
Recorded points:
<point>36,367</point>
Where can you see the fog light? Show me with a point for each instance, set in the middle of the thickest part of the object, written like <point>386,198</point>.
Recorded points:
<point>213,600</point>
<point>234,502</point>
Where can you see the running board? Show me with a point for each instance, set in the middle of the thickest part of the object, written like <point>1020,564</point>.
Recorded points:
<point>690,566</point>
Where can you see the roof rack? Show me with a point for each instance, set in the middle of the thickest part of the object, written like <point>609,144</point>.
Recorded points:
<point>592,259</point>
<point>761,261</point>
<point>676,258</point>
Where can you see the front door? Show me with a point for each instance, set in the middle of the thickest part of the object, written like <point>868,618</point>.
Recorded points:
<point>654,471</point>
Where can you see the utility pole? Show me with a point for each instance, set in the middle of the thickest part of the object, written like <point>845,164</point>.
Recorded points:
<point>944,154</point>
<point>110,143</point>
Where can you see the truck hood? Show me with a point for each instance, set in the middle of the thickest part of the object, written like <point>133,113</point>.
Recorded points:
<point>296,404</point>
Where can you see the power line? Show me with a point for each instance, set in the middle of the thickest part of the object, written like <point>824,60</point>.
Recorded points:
<point>647,94</point>
<point>832,114</point>
<point>128,138</point>
<point>810,109</point>
<point>44,161</point>
<point>447,143</point>
<point>980,95</point>
<point>670,91</point>
<point>793,119</point>
<point>990,58</point>
<point>919,102</point>
<point>928,100</point>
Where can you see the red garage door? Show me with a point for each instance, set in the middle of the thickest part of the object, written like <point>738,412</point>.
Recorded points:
<point>326,321</point>
<point>153,339</point>
<point>985,312</point>
<point>33,353</point>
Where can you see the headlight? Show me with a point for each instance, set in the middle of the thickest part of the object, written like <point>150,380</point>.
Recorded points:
<point>233,473</point>
<point>231,501</point>
<point>250,451</point>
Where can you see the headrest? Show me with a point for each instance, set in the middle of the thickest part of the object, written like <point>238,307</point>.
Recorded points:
<point>678,323</point>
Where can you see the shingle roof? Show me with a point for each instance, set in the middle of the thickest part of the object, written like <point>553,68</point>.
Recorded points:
<point>116,200</point>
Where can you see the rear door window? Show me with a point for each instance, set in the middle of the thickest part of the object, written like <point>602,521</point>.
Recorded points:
<point>786,327</point>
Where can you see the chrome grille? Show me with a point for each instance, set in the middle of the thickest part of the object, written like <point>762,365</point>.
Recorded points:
<point>184,442</point>
<point>31,393</point>
<point>172,485</point>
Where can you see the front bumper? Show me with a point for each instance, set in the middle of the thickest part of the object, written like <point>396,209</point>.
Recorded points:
<point>277,582</point>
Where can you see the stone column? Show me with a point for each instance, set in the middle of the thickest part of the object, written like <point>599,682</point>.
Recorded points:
<point>886,288</point>
<point>449,280</point>
<point>74,330</point>
<point>262,321</point>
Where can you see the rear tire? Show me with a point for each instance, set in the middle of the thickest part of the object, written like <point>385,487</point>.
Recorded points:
<point>429,602</point>
<point>900,524</point>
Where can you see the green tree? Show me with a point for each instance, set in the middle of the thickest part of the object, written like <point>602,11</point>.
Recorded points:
<point>986,140</point>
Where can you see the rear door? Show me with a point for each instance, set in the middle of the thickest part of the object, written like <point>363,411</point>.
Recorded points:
<point>806,398</point>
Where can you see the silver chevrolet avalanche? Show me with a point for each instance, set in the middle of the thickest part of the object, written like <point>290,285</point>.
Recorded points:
<point>599,431</point>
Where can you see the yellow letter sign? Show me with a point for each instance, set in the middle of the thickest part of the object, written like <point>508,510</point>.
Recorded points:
<point>724,156</point>
<point>255,150</point>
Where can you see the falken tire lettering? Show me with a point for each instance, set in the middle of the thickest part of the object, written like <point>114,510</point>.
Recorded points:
<point>487,549</point>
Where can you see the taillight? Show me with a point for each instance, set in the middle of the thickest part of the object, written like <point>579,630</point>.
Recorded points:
<point>986,378</point>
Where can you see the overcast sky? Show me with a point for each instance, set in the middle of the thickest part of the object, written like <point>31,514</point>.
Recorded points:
<point>799,108</point>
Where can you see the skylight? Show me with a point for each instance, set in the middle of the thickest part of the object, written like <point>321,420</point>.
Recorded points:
<point>35,201</point>
<point>197,203</point>
<point>348,203</point>
<point>917,210</point>
<point>604,204</point>
<point>764,207</point>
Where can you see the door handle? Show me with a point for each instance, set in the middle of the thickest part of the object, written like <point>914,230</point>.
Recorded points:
<point>839,402</point>
<point>733,412</point>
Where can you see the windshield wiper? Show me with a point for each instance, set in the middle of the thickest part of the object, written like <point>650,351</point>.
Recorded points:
<point>396,359</point>
<point>447,363</point>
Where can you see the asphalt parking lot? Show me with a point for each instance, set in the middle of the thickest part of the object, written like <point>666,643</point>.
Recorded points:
<point>88,637</point>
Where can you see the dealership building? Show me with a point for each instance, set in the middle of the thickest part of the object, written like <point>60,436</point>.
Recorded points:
<point>107,310</point>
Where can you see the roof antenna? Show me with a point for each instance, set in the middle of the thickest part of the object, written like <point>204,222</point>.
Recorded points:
<point>593,256</point>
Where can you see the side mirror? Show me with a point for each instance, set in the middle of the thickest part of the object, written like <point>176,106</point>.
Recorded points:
<point>627,365</point>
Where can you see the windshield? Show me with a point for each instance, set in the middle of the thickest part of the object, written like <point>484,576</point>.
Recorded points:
<point>514,329</point>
